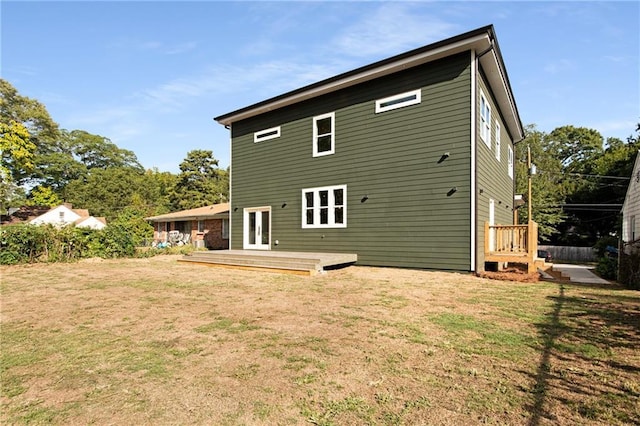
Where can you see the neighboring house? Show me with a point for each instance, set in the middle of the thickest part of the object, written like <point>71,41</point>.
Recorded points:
<point>64,215</point>
<point>402,162</point>
<point>631,207</point>
<point>207,226</point>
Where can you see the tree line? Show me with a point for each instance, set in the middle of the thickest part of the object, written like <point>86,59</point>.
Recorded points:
<point>45,165</point>
<point>580,183</point>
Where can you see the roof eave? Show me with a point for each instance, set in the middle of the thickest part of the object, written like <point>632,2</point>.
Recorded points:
<point>475,40</point>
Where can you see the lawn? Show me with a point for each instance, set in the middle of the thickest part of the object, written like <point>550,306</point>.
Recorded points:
<point>155,341</point>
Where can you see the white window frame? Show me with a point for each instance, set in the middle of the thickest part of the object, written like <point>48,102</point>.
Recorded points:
<point>497,141</point>
<point>266,134</point>
<point>331,115</point>
<point>331,207</point>
<point>510,163</point>
<point>399,101</point>
<point>485,120</point>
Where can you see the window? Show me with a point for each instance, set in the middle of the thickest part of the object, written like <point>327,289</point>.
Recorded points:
<point>201,226</point>
<point>497,140</point>
<point>265,135</point>
<point>485,120</point>
<point>324,207</point>
<point>324,134</point>
<point>225,229</point>
<point>162,227</point>
<point>398,101</point>
<point>510,164</point>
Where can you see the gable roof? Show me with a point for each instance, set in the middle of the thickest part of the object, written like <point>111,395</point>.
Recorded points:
<point>481,40</point>
<point>214,211</point>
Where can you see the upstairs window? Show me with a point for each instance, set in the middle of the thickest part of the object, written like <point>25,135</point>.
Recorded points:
<point>324,207</point>
<point>265,135</point>
<point>497,140</point>
<point>510,163</point>
<point>324,134</point>
<point>398,101</point>
<point>485,120</point>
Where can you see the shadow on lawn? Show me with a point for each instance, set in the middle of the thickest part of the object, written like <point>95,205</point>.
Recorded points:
<point>587,328</point>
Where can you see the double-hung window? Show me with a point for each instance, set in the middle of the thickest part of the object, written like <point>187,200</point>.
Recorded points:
<point>324,127</point>
<point>510,163</point>
<point>485,120</point>
<point>324,207</point>
<point>497,140</point>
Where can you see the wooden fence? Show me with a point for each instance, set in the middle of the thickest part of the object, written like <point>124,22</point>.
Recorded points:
<point>571,254</point>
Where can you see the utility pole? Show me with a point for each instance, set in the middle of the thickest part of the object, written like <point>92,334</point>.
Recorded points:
<point>529,174</point>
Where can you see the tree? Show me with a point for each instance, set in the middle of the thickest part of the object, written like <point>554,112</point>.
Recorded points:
<point>547,194</point>
<point>33,117</point>
<point>43,196</point>
<point>200,182</point>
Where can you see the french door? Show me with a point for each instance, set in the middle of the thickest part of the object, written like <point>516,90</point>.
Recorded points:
<point>257,228</point>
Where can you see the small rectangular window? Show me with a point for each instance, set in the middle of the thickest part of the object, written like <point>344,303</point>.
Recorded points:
<point>398,101</point>
<point>265,135</point>
<point>201,226</point>
<point>497,140</point>
<point>324,207</point>
<point>324,134</point>
<point>485,120</point>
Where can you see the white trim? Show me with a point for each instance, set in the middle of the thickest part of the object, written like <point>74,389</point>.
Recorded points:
<point>398,101</point>
<point>510,162</point>
<point>497,140</point>
<point>330,206</point>
<point>485,122</point>
<point>245,228</point>
<point>332,133</point>
<point>266,134</point>
<point>230,182</point>
<point>473,248</point>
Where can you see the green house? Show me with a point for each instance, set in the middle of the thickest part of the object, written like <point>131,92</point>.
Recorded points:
<point>404,161</point>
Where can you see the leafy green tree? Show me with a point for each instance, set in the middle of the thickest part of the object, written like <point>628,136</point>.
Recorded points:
<point>32,116</point>
<point>546,185</point>
<point>132,219</point>
<point>200,182</point>
<point>105,192</point>
<point>43,196</point>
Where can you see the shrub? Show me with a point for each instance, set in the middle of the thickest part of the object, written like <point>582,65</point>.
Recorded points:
<point>607,268</point>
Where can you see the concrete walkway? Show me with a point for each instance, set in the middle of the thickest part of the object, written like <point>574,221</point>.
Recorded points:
<point>579,273</point>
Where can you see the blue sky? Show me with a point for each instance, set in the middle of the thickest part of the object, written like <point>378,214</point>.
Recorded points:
<point>151,75</point>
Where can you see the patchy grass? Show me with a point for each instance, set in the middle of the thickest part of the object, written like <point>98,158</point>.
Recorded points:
<point>154,341</point>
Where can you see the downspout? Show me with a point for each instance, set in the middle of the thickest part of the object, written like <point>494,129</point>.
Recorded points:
<point>228,127</point>
<point>474,240</point>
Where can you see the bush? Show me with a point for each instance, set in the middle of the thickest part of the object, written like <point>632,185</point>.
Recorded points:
<point>26,243</point>
<point>607,268</point>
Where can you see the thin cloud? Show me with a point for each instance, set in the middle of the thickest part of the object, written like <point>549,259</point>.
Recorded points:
<point>155,46</point>
<point>392,28</point>
<point>558,66</point>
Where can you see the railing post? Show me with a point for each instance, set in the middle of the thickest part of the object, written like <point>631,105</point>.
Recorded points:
<point>486,237</point>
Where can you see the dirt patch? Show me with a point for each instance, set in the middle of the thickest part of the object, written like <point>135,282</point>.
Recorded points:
<point>155,341</point>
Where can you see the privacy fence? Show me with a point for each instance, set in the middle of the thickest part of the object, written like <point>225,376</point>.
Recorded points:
<point>571,254</point>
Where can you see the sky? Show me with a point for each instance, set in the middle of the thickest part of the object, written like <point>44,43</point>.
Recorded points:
<point>151,75</point>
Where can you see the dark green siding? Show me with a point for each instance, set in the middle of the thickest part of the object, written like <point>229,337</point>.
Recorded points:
<point>493,181</point>
<point>412,218</point>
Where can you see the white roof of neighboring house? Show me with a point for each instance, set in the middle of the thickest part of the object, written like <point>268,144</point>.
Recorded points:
<point>215,211</point>
<point>64,214</point>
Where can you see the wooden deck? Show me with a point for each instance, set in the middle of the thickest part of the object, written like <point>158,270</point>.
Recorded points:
<point>300,263</point>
